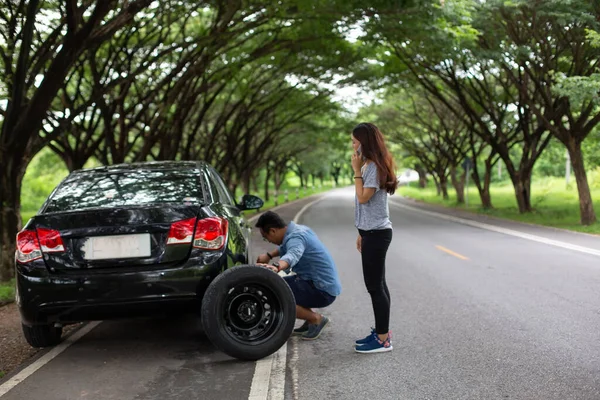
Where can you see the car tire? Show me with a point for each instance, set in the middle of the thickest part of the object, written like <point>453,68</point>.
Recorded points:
<point>42,335</point>
<point>248,312</point>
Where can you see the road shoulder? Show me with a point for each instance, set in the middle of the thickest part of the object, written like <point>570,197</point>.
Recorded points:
<point>562,235</point>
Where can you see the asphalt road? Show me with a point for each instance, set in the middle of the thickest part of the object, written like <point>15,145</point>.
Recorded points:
<point>476,314</point>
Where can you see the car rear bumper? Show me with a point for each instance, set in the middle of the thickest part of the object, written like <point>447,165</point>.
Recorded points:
<point>68,298</point>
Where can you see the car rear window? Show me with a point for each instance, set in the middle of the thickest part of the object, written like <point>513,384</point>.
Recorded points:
<point>127,188</point>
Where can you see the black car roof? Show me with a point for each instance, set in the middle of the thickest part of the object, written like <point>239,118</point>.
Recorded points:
<point>147,165</point>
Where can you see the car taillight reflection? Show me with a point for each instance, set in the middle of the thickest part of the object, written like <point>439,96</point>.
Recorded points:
<point>50,241</point>
<point>31,244</point>
<point>181,232</point>
<point>210,233</point>
<point>28,247</point>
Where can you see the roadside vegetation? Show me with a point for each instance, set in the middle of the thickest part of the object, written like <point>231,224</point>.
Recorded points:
<point>554,204</point>
<point>7,292</point>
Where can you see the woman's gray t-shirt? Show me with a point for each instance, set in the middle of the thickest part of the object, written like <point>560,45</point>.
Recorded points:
<point>375,214</point>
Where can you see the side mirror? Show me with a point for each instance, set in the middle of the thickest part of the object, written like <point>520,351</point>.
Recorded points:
<point>250,202</point>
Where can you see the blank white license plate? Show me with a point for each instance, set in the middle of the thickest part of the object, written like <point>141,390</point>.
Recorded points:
<point>114,247</point>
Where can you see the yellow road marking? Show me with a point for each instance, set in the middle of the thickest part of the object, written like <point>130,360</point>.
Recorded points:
<point>445,250</point>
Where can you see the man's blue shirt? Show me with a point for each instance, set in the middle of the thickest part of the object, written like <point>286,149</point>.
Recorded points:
<point>308,257</point>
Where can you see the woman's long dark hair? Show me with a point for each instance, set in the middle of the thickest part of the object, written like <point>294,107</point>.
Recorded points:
<point>373,148</point>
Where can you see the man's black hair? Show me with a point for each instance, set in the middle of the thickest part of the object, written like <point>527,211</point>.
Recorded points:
<point>270,220</point>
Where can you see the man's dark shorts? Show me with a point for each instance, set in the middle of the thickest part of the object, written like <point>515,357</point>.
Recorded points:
<point>306,294</point>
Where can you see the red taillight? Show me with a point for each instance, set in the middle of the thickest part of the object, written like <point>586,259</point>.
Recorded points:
<point>182,232</point>
<point>211,233</point>
<point>28,247</point>
<point>50,240</point>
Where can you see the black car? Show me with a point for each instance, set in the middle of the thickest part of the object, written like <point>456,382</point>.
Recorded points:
<point>147,238</point>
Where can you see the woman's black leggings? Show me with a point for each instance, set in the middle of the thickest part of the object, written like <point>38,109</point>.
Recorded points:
<point>374,249</point>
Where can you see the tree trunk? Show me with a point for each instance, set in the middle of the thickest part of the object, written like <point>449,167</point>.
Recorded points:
<point>422,177</point>
<point>444,186</point>
<point>523,192</point>
<point>484,193</point>
<point>336,171</point>
<point>336,176</point>
<point>280,172</point>
<point>267,181</point>
<point>76,163</point>
<point>299,171</point>
<point>246,178</point>
<point>586,206</point>
<point>73,162</point>
<point>484,188</point>
<point>437,185</point>
<point>278,180</point>
<point>68,160</point>
<point>458,184</point>
<point>522,184</point>
<point>233,188</point>
<point>12,170</point>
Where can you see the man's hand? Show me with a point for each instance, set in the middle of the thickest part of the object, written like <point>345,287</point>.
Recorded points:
<point>359,244</point>
<point>267,266</point>
<point>272,268</point>
<point>263,259</point>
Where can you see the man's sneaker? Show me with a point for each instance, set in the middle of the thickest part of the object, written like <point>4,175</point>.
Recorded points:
<point>315,330</point>
<point>301,330</point>
<point>375,346</point>
<point>371,336</point>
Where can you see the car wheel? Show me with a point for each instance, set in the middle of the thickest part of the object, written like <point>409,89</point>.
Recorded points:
<point>248,312</point>
<point>42,335</point>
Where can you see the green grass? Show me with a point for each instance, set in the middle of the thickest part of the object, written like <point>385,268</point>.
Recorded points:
<point>7,291</point>
<point>2,373</point>
<point>554,204</point>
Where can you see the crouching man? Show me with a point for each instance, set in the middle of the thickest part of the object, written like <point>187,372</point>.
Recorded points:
<point>316,283</point>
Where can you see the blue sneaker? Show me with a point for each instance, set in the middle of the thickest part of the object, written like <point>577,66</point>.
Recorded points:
<point>314,331</point>
<point>366,339</point>
<point>371,336</point>
<point>375,346</point>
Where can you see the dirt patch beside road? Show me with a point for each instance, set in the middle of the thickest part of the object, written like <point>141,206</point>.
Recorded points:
<point>14,350</point>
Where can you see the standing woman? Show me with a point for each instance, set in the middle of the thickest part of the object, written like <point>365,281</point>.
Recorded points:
<point>374,179</point>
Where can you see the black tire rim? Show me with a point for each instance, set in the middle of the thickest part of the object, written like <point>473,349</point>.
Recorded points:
<point>253,313</point>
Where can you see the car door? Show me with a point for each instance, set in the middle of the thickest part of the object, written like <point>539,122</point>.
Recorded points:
<point>239,229</point>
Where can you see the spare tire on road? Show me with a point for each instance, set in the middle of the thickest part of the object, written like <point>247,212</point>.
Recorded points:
<point>248,312</point>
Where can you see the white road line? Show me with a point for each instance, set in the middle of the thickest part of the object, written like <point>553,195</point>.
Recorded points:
<point>268,382</point>
<point>46,358</point>
<point>277,381</point>
<point>505,231</point>
<point>259,390</point>
<point>255,217</point>
<point>306,207</point>
<point>294,368</point>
